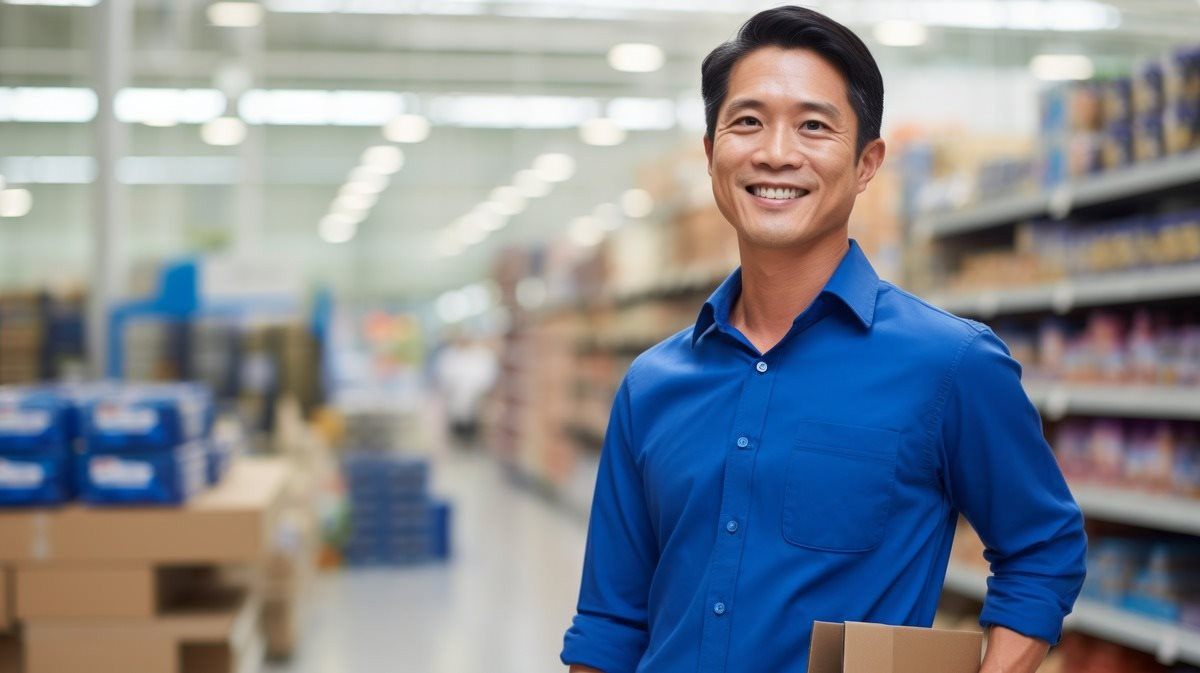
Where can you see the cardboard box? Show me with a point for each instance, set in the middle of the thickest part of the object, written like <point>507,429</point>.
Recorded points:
<point>219,635</point>
<point>229,523</point>
<point>858,647</point>
<point>10,654</point>
<point>6,600</point>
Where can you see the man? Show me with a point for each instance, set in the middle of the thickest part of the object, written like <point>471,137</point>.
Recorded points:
<point>803,452</point>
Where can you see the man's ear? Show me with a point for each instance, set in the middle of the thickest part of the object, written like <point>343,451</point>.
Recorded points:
<point>869,162</point>
<point>708,152</point>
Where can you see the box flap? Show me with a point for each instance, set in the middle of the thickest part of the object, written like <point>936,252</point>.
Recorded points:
<point>825,649</point>
<point>868,648</point>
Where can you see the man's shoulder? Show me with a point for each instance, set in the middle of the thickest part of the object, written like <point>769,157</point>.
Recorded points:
<point>917,319</point>
<point>662,356</point>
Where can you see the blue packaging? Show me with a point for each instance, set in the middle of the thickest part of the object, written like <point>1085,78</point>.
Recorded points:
<point>35,448</point>
<point>148,476</point>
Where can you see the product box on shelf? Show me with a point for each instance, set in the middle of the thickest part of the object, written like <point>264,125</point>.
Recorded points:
<point>35,448</point>
<point>858,647</point>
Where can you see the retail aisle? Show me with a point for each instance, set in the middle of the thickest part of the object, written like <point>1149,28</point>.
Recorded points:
<point>501,605</point>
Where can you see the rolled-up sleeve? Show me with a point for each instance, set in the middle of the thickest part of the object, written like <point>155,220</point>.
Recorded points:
<point>1003,477</point>
<point>609,630</point>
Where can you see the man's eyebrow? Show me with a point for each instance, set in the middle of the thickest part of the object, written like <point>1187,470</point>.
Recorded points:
<point>828,109</point>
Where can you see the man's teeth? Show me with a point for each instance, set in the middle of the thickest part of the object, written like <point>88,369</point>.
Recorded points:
<point>777,193</point>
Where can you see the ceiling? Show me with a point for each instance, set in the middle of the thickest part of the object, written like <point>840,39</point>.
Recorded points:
<point>429,50</point>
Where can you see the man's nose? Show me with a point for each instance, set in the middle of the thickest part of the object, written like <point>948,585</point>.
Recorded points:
<point>780,149</point>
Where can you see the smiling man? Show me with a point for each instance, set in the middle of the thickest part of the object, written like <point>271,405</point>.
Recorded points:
<point>804,451</point>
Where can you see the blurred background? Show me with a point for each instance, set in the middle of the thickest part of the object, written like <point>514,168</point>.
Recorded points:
<point>311,311</point>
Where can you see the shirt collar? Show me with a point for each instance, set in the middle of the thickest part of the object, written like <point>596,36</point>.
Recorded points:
<point>854,282</point>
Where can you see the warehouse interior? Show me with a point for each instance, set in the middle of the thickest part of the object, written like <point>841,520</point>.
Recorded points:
<point>312,312</point>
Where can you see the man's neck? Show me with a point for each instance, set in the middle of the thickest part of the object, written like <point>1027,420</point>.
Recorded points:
<point>777,285</point>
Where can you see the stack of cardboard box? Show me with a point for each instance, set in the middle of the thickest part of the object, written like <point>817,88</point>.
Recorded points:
<point>153,590</point>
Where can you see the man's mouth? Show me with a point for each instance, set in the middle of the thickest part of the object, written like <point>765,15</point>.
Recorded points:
<point>777,193</point>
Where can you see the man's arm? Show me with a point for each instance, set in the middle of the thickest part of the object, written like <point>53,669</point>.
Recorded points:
<point>1007,652</point>
<point>610,629</point>
<point>583,669</point>
<point>1000,473</point>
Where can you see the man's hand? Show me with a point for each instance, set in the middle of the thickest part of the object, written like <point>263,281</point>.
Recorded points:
<point>1011,652</point>
<point>576,668</point>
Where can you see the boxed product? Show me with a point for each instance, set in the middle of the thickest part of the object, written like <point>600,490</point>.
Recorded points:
<point>858,647</point>
<point>35,448</point>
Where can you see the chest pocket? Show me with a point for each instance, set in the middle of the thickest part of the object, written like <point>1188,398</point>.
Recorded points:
<point>840,486</point>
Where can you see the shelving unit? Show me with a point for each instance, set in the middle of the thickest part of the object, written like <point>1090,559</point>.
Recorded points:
<point>1138,181</point>
<point>1056,400</point>
<point>1169,642</point>
<point>1148,510</point>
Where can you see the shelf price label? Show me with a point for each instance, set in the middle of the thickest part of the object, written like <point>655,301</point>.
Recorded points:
<point>1062,298</point>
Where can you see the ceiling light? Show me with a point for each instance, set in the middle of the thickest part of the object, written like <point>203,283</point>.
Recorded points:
<point>635,57</point>
<point>48,104</point>
<point>366,181</point>
<point>601,131</point>
<point>530,185</point>
<point>383,159</point>
<point>585,231</point>
<point>637,203</point>
<point>407,128</point>
<point>1056,67</point>
<point>157,107</point>
<point>354,203</point>
<point>223,131</point>
<point>235,14</point>
<point>337,228</point>
<point>899,33</point>
<point>508,197</point>
<point>554,167</point>
<point>448,243</point>
<point>15,202</point>
<point>488,216</point>
<point>160,122</point>
<point>56,3</point>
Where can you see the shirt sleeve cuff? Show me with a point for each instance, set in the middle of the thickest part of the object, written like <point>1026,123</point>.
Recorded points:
<point>1036,620</point>
<point>604,644</point>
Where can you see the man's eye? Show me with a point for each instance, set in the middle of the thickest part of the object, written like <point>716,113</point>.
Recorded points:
<point>813,125</point>
<point>746,121</point>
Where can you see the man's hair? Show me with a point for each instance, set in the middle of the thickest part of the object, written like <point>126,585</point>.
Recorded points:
<point>792,27</point>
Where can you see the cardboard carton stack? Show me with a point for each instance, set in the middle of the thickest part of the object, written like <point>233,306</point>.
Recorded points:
<point>152,590</point>
<point>22,328</point>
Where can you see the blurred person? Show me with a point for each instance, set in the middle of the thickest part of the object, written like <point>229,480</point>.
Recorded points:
<point>804,450</point>
<point>464,371</point>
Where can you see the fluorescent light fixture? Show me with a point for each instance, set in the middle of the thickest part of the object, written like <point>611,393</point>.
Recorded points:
<point>509,198</point>
<point>15,202</point>
<point>602,132</point>
<point>48,104</point>
<point>900,33</point>
<point>337,228</point>
<point>447,243</point>
<point>532,112</point>
<point>178,170</point>
<point>366,181</point>
<point>55,3</point>
<point>60,170</point>
<point>223,131</point>
<point>478,298</point>
<point>383,159</point>
<point>235,14</point>
<point>1057,67</point>
<point>362,108</point>
<point>407,128</point>
<point>166,107</point>
<point>585,231</point>
<point>554,167</point>
<point>354,203</point>
<point>316,107</point>
<point>1032,15</point>
<point>637,203</point>
<point>642,114</point>
<point>487,216</point>
<point>635,57</point>
<point>530,185</point>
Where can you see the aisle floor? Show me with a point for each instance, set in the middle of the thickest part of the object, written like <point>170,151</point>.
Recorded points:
<point>501,605</point>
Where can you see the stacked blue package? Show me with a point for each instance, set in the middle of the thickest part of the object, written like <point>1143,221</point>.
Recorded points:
<point>149,444</point>
<point>35,448</point>
<point>393,520</point>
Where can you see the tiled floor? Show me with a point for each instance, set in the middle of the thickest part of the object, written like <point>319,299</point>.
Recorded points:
<point>501,605</point>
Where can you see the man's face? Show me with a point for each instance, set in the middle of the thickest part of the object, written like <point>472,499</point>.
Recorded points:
<point>782,157</point>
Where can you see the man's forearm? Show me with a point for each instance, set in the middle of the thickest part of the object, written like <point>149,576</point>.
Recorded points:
<point>1011,652</point>
<point>576,668</point>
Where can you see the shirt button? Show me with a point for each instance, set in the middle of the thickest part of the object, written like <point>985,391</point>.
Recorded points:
<point>761,366</point>
<point>719,609</point>
<point>743,442</point>
<point>732,526</point>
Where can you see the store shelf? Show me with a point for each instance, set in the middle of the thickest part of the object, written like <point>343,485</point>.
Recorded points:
<point>1149,510</point>
<point>1139,180</point>
<point>1062,297</point>
<point>1169,642</point>
<point>1058,400</point>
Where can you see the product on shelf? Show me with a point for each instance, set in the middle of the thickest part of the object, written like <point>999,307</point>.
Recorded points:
<point>393,521</point>
<point>1151,577</point>
<point>1160,456</point>
<point>35,448</point>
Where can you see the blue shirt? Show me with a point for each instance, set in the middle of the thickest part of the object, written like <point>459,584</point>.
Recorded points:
<point>743,495</point>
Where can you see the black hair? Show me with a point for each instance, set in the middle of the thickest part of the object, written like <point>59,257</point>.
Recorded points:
<point>793,27</point>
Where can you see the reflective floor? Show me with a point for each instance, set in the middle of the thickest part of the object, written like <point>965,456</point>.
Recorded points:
<point>501,605</point>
